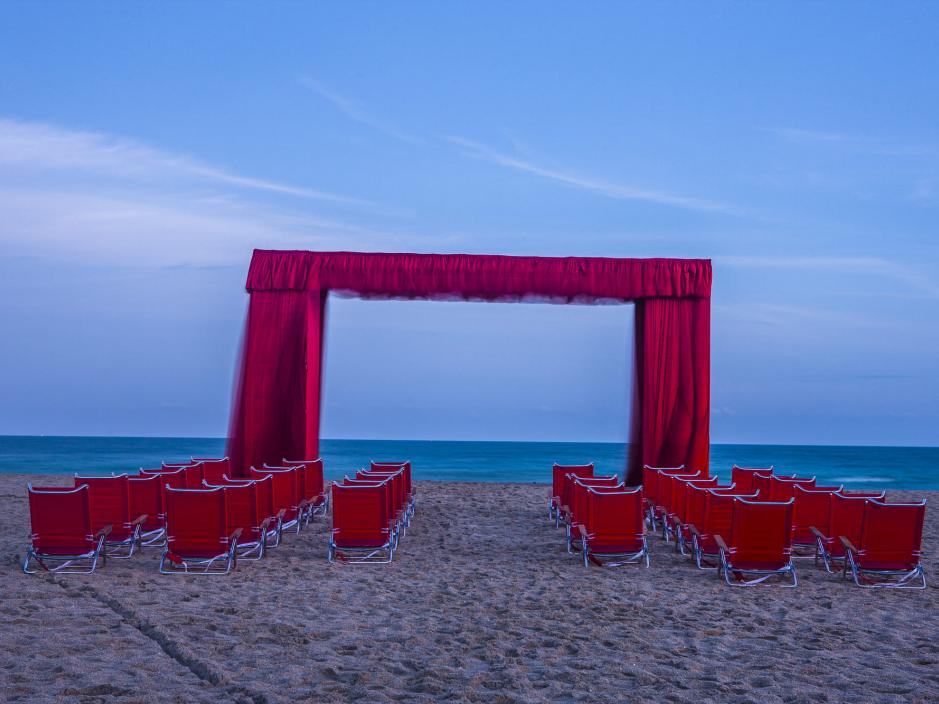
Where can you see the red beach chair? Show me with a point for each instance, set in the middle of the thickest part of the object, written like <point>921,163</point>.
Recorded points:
<point>576,514</point>
<point>715,519</point>
<point>614,531</point>
<point>663,503</point>
<point>361,532</point>
<point>266,511</point>
<point>199,539</point>
<point>146,499</point>
<point>385,489</point>
<point>109,499</point>
<point>558,472</point>
<point>213,469</point>
<point>244,512</point>
<point>759,545</point>
<point>890,546</point>
<point>846,513</point>
<point>650,480</point>
<point>314,487</point>
<point>285,486</point>
<point>678,509</point>
<point>812,509</point>
<point>398,488</point>
<point>62,538</point>
<point>391,466</point>
<point>742,477</point>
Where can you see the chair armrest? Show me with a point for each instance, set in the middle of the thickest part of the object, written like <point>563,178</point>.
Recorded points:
<point>139,520</point>
<point>693,530</point>
<point>583,531</point>
<point>264,524</point>
<point>104,532</point>
<point>281,513</point>
<point>721,544</point>
<point>847,544</point>
<point>235,534</point>
<point>817,533</point>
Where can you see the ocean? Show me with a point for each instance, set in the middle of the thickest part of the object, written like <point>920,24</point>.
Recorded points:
<point>855,467</point>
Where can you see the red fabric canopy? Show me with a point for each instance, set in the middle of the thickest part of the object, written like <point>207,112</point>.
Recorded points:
<point>277,404</point>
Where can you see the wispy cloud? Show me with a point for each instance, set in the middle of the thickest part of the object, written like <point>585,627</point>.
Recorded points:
<point>850,265</point>
<point>604,188</point>
<point>355,112</point>
<point>39,146</point>
<point>855,142</point>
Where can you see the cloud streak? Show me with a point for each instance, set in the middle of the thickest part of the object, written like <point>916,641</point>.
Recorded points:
<point>849,265</point>
<point>606,189</point>
<point>39,146</point>
<point>357,113</point>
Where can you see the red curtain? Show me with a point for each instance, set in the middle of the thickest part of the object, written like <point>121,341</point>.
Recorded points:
<point>671,387</point>
<point>276,411</point>
<point>277,405</point>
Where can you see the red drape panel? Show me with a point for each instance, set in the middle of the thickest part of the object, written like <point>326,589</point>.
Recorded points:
<point>671,390</point>
<point>277,408</point>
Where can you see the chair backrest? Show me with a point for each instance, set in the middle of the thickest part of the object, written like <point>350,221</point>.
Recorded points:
<point>213,469</point>
<point>146,497</point>
<point>241,503</point>
<point>60,519</point>
<point>650,479</point>
<point>110,503</point>
<point>783,488</point>
<point>385,466</point>
<point>313,482</point>
<point>846,513</point>
<point>718,511</point>
<point>681,488</point>
<point>743,477</point>
<point>359,511</point>
<point>396,481</point>
<point>559,471</point>
<point>580,491</point>
<point>666,485</point>
<point>284,487</point>
<point>383,488</point>
<point>567,487</point>
<point>812,509</point>
<point>761,533</point>
<point>197,521</point>
<point>761,483</point>
<point>891,535</point>
<point>614,514</point>
<point>694,502</point>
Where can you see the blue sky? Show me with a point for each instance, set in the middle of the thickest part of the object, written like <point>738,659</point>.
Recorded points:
<point>146,149</point>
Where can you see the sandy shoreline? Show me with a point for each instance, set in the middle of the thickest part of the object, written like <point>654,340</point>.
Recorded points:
<point>481,604</point>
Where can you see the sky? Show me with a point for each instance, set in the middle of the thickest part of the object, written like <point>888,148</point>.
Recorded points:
<point>146,149</point>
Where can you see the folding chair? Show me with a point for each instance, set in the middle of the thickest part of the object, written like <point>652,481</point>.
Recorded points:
<point>614,531</point>
<point>146,499</point>
<point>285,486</point>
<point>742,477</point>
<point>385,489</point>
<point>314,487</point>
<point>663,503</point>
<point>812,509</point>
<point>650,480</point>
<point>199,539</point>
<point>576,512</point>
<point>62,539</point>
<point>715,519</point>
<point>213,469</point>
<point>890,546</point>
<point>846,512</point>
<point>678,506</point>
<point>759,545</point>
<point>109,499</point>
<point>558,472</point>
<point>243,511</point>
<point>267,512</point>
<point>398,488</point>
<point>391,466</point>
<point>361,532</point>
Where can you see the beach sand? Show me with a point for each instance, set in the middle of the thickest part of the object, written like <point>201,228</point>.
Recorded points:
<point>482,604</point>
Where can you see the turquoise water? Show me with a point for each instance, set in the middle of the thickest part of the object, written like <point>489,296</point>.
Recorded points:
<point>856,467</point>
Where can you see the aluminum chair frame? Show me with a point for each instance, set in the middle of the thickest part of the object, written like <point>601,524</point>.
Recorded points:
<point>726,566</point>
<point>359,555</point>
<point>863,576</point>
<point>615,559</point>
<point>217,565</point>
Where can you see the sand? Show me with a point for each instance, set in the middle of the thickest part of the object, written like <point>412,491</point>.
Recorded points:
<point>482,604</point>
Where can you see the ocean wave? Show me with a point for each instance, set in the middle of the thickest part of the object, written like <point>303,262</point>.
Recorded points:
<point>865,479</point>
